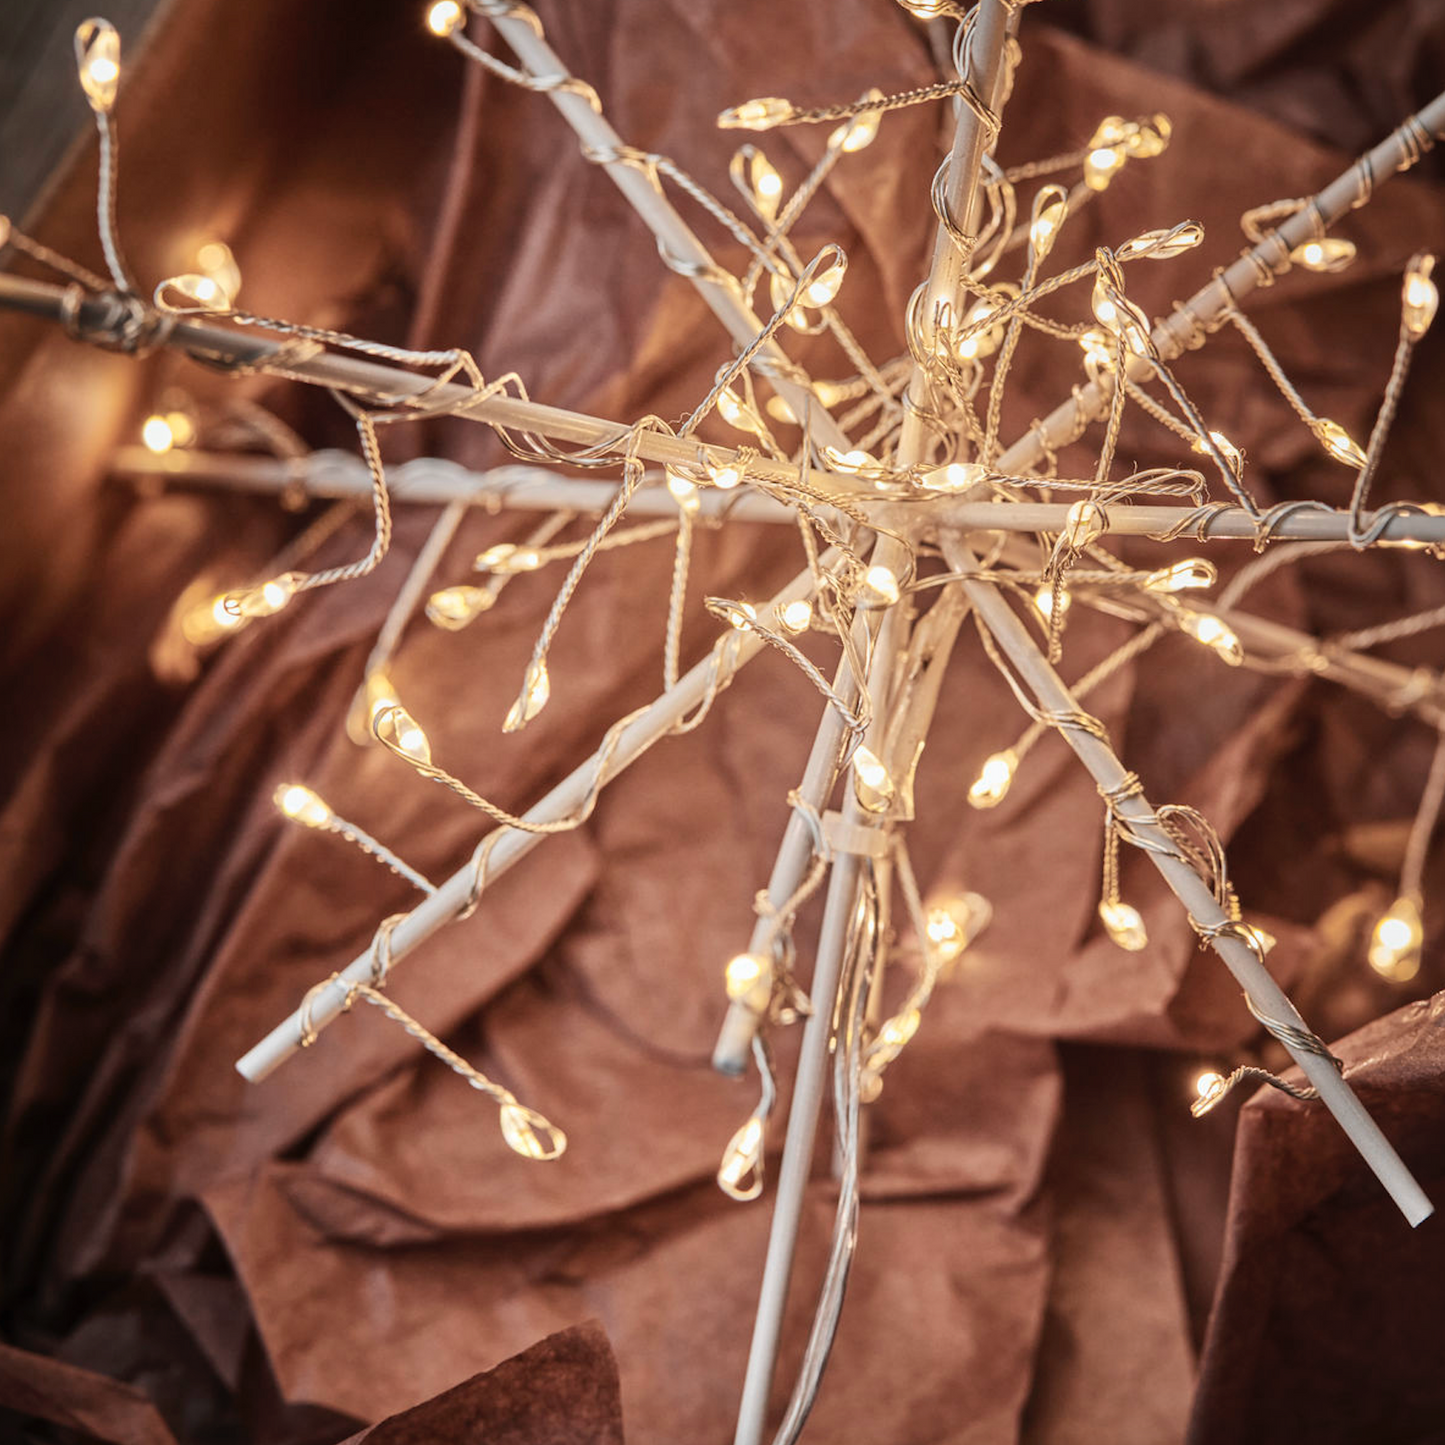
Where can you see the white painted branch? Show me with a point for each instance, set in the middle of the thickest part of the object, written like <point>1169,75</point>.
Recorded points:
<point>452,895</point>
<point>1191,890</point>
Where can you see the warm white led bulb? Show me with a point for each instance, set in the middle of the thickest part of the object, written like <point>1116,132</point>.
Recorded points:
<point>1086,522</point>
<point>748,979</point>
<point>1208,1084</point>
<point>741,1160</point>
<point>1215,634</point>
<point>297,801</point>
<point>1328,253</point>
<point>1044,602</point>
<point>536,690</point>
<point>157,435</point>
<point>401,732</point>
<point>684,491</point>
<point>761,114</point>
<point>994,780</point>
<point>1124,924</point>
<point>880,587</point>
<point>1421,297</point>
<point>955,477</point>
<point>1395,944</point>
<point>1191,574</point>
<point>454,607</point>
<point>1339,443</point>
<point>1101,165</point>
<point>527,1133</point>
<point>796,616</point>
<point>872,785</point>
<point>97,58</point>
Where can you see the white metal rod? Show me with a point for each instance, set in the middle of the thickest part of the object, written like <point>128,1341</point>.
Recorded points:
<point>432,480</point>
<point>1191,890</point>
<point>452,895</point>
<point>985,69</point>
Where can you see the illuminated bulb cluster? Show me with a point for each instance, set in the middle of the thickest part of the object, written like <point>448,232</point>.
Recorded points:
<point>1124,924</point>
<point>1395,944</point>
<point>163,430</point>
<point>994,780</point>
<point>1117,140</point>
<point>1215,634</point>
<point>299,803</point>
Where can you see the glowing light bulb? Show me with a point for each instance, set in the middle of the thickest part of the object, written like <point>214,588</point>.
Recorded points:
<point>222,616</point>
<point>741,1160</point>
<point>684,491</point>
<point>880,587</point>
<point>1123,318</point>
<point>1329,253</point>
<point>894,1035</point>
<point>853,463</point>
<point>297,801</point>
<point>1050,207</point>
<point>380,694</point>
<point>1123,924</point>
<point>1044,602</point>
<point>767,185</point>
<point>527,1133</point>
<point>976,337</point>
<point>1191,574</point>
<point>994,780</point>
<point>215,261</point>
<point>1098,347</point>
<point>1261,938</point>
<point>97,58</point>
<point>1101,165</point>
<point>955,477</point>
<point>824,287</point>
<point>1421,297</point>
<point>733,411</point>
<point>855,134</point>
<point>1162,245</point>
<point>453,607</point>
<point>1338,443</point>
<point>796,616</point>
<point>536,689</point>
<point>265,600</point>
<point>1205,627</point>
<point>507,557</point>
<point>1226,448</point>
<point>1208,1084</point>
<point>401,732</point>
<point>1395,944</point>
<point>872,785</point>
<point>723,475</point>
<point>748,979</point>
<point>947,928</point>
<point>740,614</point>
<point>761,114</point>
<point>181,295</point>
<point>157,435</point>
<point>1086,522</point>
<point>443,17</point>
<point>780,410</point>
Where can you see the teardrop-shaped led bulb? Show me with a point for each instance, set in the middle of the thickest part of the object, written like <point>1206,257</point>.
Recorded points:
<point>872,785</point>
<point>398,730</point>
<point>1215,634</point>
<point>1124,924</point>
<point>264,600</point>
<point>761,114</point>
<point>1396,942</point>
<point>880,587</point>
<point>1328,253</point>
<point>892,1039</point>
<point>536,689</point>
<point>97,59</point>
<point>453,607</point>
<point>749,980</point>
<point>994,780</point>
<point>1339,443</point>
<point>1192,574</point>
<point>767,185</point>
<point>1420,298</point>
<point>527,1133</point>
<point>740,1175</point>
<point>298,802</point>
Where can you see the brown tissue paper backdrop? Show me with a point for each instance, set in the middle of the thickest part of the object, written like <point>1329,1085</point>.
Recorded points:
<point>1051,1250</point>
